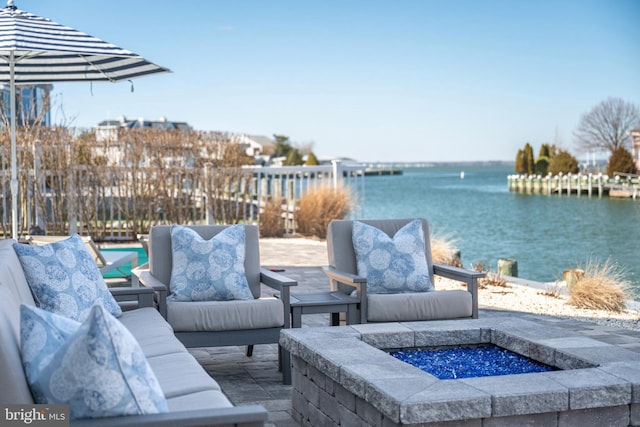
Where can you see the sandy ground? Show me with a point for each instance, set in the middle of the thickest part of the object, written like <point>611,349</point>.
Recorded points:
<point>518,294</point>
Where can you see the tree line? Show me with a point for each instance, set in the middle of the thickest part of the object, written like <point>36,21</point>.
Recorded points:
<point>606,127</point>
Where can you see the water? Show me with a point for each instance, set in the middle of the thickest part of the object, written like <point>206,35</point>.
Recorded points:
<point>545,234</point>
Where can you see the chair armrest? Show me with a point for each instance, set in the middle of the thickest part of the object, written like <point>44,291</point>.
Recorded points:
<point>344,277</point>
<point>144,296</point>
<point>349,279</point>
<point>248,416</point>
<point>275,280</point>
<point>146,279</point>
<point>469,277</point>
<point>280,283</point>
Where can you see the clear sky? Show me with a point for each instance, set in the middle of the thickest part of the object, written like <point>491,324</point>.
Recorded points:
<point>424,80</point>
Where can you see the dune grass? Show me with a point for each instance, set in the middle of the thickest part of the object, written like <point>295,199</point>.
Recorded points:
<point>318,207</point>
<point>603,287</point>
<point>444,249</point>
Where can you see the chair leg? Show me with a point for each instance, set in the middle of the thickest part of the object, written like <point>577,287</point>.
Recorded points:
<point>250,350</point>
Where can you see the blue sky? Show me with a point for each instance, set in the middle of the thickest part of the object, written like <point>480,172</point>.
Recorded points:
<point>403,80</point>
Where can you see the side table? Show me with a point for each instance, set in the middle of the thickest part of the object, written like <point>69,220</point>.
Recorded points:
<point>323,302</point>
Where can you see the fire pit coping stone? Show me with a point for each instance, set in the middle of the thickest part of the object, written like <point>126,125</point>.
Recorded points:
<point>348,364</point>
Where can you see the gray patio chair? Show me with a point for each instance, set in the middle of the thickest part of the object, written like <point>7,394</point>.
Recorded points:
<point>396,307</point>
<point>221,323</point>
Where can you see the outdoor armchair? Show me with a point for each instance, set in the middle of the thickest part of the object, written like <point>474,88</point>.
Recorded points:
<point>212,323</point>
<point>402,306</point>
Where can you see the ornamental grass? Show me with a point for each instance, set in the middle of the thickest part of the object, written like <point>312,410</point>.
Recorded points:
<point>444,250</point>
<point>318,207</point>
<point>270,221</point>
<point>603,287</point>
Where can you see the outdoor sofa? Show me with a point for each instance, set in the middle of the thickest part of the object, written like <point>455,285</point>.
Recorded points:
<point>193,397</point>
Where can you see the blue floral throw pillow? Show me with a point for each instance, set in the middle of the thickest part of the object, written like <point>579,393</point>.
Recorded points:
<point>65,278</point>
<point>392,265</point>
<point>41,335</point>
<point>99,371</point>
<point>208,270</point>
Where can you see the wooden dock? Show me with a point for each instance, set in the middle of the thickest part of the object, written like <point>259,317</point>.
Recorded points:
<point>622,185</point>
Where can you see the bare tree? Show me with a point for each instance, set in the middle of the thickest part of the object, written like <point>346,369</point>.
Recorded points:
<point>607,125</point>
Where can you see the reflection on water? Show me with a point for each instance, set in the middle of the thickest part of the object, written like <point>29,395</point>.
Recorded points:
<point>545,234</point>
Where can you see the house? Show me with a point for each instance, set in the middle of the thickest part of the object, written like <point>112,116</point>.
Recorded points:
<point>254,145</point>
<point>635,146</point>
<point>107,131</point>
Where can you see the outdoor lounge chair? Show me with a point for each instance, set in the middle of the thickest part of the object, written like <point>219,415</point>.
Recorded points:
<point>407,305</point>
<point>258,320</point>
<point>107,261</point>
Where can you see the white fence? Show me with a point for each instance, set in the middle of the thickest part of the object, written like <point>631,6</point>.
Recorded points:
<point>118,203</point>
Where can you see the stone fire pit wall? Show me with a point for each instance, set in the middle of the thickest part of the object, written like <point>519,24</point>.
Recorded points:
<point>341,376</point>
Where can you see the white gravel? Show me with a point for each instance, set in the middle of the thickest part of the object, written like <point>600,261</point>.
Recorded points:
<point>550,301</point>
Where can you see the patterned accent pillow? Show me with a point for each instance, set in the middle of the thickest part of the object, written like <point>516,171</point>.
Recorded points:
<point>395,265</point>
<point>41,335</point>
<point>208,270</point>
<point>99,371</point>
<point>65,279</point>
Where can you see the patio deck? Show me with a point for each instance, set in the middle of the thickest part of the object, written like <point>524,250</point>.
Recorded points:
<point>256,380</point>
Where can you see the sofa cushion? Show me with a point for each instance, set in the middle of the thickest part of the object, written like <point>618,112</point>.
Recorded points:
<point>266,312</point>
<point>152,332</point>
<point>14,291</point>
<point>199,400</point>
<point>180,374</point>
<point>208,270</point>
<point>100,371</point>
<point>392,265</point>
<point>41,335</point>
<point>65,278</point>
<point>406,307</point>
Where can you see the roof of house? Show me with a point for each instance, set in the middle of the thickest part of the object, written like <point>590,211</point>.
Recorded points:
<point>142,123</point>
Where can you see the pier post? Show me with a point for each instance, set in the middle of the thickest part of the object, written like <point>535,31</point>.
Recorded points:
<point>600,185</point>
<point>560,184</point>
<point>590,183</point>
<point>508,267</point>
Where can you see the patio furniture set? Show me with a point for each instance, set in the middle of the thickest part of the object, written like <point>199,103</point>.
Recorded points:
<point>204,287</point>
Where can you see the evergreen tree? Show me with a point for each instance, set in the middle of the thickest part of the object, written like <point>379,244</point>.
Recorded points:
<point>528,157</point>
<point>294,158</point>
<point>542,165</point>
<point>312,160</point>
<point>545,151</point>
<point>520,166</point>
<point>282,146</point>
<point>621,161</point>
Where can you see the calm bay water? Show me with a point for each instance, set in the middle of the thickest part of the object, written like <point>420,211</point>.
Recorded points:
<point>545,234</point>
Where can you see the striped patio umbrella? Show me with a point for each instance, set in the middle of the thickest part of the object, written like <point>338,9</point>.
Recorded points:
<point>36,50</point>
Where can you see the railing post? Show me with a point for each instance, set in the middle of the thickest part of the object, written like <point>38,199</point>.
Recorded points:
<point>337,169</point>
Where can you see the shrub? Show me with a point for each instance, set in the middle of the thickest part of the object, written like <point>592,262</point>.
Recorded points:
<point>603,287</point>
<point>621,161</point>
<point>444,250</point>
<point>317,208</point>
<point>491,278</point>
<point>563,162</point>
<point>270,222</point>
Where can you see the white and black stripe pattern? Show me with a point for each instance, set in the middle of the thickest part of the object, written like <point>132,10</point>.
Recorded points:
<point>46,52</point>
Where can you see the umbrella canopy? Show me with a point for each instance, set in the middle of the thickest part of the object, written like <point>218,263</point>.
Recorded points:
<point>36,50</point>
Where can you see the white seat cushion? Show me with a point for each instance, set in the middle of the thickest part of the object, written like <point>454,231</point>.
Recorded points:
<point>258,313</point>
<point>409,307</point>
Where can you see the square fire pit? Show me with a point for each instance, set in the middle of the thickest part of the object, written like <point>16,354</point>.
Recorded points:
<point>344,376</point>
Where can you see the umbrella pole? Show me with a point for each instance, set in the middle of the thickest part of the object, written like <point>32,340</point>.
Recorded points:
<point>14,158</point>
